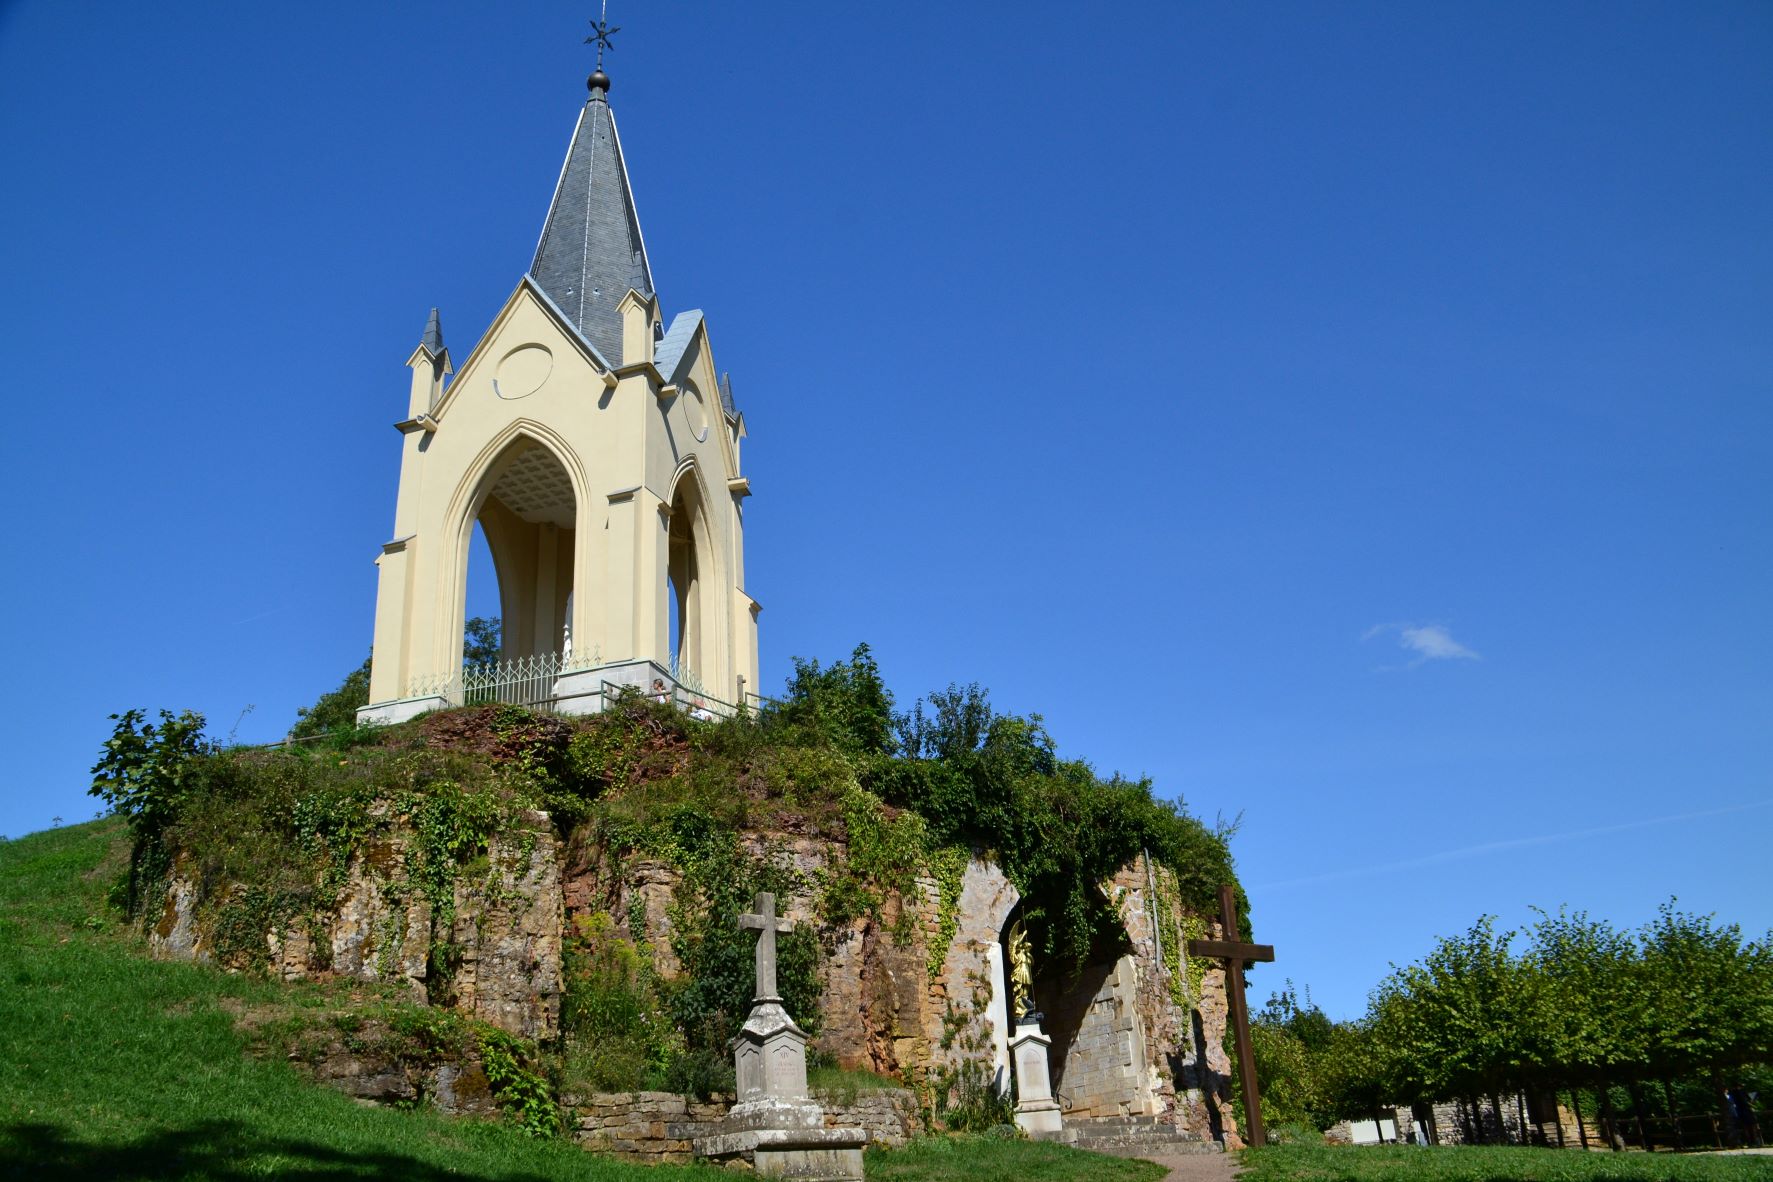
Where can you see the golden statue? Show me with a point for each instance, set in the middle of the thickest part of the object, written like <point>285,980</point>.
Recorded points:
<point>1021,971</point>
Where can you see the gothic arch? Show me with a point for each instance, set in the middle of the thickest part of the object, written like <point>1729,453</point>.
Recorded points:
<point>694,573</point>
<point>528,492</point>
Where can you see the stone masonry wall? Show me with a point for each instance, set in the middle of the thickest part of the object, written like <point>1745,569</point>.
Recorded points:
<point>1137,1043</point>
<point>1099,1045</point>
<point>658,1127</point>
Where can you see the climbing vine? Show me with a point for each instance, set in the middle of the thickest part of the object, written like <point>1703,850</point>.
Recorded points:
<point>1177,926</point>
<point>523,1094</point>
<point>948,866</point>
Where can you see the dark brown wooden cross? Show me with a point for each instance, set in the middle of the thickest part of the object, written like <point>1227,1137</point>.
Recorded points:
<point>1234,954</point>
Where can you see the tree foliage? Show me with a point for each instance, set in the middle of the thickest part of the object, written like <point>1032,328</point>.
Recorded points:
<point>335,711</point>
<point>1581,1005</point>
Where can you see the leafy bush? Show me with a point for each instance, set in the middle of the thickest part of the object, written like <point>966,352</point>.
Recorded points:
<point>146,774</point>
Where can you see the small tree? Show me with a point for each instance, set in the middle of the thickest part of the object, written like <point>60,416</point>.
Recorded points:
<point>847,702</point>
<point>336,710</point>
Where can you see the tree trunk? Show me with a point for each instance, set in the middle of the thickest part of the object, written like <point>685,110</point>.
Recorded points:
<point>1609,1125</point>
<point>1501,1127</point>
<point>1637,1108</point>
<point>1674,1114</point>
<point>1576,1103</point>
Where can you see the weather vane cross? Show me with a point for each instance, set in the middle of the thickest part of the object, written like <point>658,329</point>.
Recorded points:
<point>601,33</point>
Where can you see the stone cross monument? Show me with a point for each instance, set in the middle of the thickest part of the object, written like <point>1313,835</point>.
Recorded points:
<point>776,1123</point>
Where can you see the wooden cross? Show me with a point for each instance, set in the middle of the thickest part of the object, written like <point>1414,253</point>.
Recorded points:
<point>1235,954</point>
<point>767,925</point>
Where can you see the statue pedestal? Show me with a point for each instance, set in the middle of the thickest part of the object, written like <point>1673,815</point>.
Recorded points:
<point>1037,1113</point>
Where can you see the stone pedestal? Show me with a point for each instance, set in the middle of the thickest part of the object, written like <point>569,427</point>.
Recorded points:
<point>1037,1113</point>
<point>776,1125</point>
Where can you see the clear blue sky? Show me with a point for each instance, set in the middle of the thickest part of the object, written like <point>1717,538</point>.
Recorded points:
<point>1356,417</point>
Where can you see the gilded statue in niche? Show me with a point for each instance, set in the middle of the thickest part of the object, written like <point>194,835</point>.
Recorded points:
<point>1021,971</point>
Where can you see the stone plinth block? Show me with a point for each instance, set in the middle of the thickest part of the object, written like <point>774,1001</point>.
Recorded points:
<point>1037,1113</point>
<point>815,1155</point>
<point>769,1056</point>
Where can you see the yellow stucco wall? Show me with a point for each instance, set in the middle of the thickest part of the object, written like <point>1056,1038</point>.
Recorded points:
<point>627,442</point>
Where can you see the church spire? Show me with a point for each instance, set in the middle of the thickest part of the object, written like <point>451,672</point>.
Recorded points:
<point>591,252</point>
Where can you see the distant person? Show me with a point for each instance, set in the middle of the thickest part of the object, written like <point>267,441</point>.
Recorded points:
<point>1747,1124</point>
<point>658,692</point>
<point>700,712</point>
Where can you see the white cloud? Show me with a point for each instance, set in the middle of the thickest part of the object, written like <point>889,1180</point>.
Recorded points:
<point>1430,642</point>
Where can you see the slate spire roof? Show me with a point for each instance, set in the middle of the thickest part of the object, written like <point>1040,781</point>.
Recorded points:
<point>433,338</point>
<point>591,252</point>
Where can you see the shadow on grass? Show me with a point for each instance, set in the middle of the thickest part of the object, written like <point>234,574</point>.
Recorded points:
<point>224,1151</point>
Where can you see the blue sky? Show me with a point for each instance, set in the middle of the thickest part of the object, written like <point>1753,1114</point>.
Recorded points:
<point>1355,417</point>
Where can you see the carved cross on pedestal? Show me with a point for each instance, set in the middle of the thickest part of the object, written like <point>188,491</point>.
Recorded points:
<point>767,925</point>
<point>1235,954</point>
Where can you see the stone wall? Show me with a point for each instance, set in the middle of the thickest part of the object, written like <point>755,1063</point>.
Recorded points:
<point>658,1127</point>
<point>1098,1053</point>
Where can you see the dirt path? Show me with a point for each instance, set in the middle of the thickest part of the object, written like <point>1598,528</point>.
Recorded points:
<point>1197,1167</point>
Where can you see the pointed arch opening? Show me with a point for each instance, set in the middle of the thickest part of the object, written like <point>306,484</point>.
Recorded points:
<point>690,571</point>
<point>526,512</point>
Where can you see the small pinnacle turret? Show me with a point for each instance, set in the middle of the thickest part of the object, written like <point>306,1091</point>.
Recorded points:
<point>432,341</point>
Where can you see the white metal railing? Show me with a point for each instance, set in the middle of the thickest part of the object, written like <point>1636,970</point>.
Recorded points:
<point>515,681</point>
<point>533,681</point>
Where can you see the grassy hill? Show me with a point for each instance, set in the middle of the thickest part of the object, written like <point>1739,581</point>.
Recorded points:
<point>118,1067</point>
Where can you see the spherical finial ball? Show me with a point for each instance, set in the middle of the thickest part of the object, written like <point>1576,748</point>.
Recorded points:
<point>598,81</point>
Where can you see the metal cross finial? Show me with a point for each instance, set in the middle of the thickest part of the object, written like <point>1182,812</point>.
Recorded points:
<point>601,33</point>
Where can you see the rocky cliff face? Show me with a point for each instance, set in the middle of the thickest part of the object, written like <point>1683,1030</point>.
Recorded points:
<point>498,960</point>
<point>913,990</point>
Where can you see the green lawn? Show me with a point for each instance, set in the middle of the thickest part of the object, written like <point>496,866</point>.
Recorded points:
<point>113,1066</point>
<point>1406,1163</point>
<point>983,1159</point>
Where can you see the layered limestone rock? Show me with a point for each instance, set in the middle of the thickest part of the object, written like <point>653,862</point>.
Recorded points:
<point>499,961</point>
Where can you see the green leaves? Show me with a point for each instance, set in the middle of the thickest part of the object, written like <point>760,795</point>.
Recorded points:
<point>146,770</point>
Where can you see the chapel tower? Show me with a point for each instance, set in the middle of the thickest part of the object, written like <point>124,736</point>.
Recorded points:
<point>599,452</point>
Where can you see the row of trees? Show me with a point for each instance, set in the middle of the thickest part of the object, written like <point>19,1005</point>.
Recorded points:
<point>1580,1005</point>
